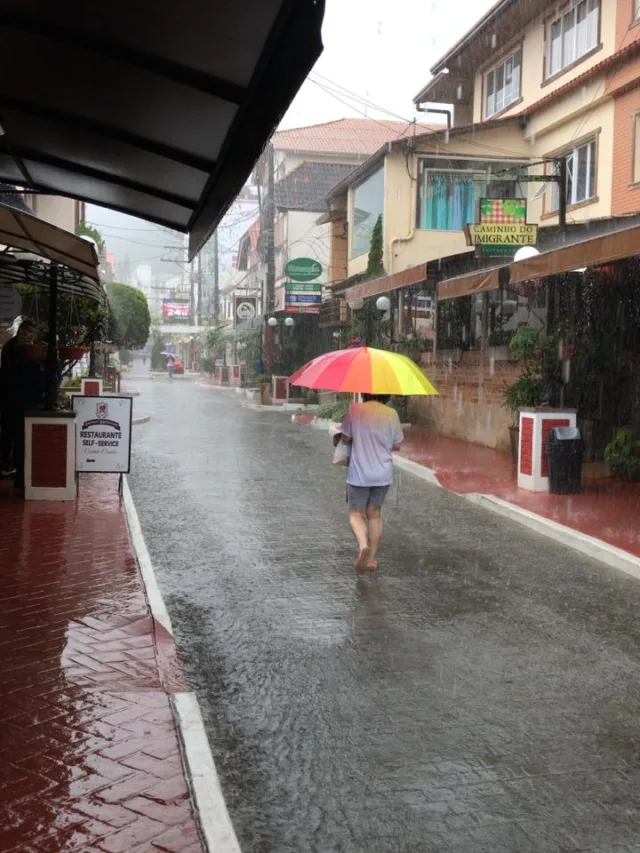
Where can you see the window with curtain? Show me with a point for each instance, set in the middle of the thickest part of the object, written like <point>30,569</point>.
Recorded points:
<point>448,191</point>
<point>572,34</point>
<point>368,205</point>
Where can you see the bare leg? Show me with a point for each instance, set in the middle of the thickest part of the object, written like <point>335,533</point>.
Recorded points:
<point>358,522</point>
<point>374,514</point>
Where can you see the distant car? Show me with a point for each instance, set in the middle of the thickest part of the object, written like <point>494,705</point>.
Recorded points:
<point>178,367</point>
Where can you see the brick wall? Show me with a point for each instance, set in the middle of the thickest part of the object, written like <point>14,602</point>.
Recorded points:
<point>625,194</point>
<point>470,397</point>
<point>625,31</point>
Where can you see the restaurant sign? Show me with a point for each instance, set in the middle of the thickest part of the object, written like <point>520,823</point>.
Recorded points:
<point>502,227</point>
<point>103,434</point>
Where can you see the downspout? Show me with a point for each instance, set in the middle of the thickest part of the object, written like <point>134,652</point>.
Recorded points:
<point>412,229</point>
<point>447,113</point>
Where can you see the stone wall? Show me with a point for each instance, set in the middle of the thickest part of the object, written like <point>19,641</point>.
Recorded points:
<point>470,396</point>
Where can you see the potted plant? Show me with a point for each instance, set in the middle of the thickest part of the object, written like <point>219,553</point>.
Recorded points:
<point>528,389</point>
<point>264,384</point>
<point>623,455</point>
<point>72,353</point>
<point>35,351</point>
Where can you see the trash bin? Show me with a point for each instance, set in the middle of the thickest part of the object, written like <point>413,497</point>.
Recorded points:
<point>565,451</point>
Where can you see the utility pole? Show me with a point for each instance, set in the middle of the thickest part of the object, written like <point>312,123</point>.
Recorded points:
<point>268,217</point>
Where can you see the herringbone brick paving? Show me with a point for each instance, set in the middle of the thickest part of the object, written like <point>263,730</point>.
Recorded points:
<point>89,755</point>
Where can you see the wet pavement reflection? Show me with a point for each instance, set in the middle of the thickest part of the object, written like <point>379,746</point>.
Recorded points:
<point>89,757</point>
<point>479,694</point>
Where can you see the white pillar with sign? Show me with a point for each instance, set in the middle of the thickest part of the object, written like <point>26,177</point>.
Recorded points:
<point>535,426</point>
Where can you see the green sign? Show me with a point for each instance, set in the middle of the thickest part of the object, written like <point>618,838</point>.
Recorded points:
<point>290,287</point>
<point>303,269</point>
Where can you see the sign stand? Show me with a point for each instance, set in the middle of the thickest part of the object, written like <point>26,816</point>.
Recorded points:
<point>103,436</point>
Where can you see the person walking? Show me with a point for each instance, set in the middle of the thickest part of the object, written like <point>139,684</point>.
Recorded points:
<point>171,366</point>
<point>373,429</point>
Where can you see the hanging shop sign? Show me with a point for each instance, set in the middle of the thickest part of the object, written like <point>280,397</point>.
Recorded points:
<point>502,227</point>
<point>303,269</point>
<point>175,308</point>
<point>302,298</point>
<point>244,308</point>
<point>103,434</point>
<point>10,305</point>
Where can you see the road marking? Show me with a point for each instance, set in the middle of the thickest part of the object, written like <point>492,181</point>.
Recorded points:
<point>200,769</point>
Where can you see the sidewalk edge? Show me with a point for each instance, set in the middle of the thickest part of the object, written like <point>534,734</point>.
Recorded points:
<point>209,807</point>
<point>614,557</point>
<point>421,471</point>
<point>154,596</point>
<point>215,821</point>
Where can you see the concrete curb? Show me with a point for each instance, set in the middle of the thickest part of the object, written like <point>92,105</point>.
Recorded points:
<point>210,809</point>
<point>611,556</point>
<point>141,419</point>
<point>421,471</point>
<point>582,542</point>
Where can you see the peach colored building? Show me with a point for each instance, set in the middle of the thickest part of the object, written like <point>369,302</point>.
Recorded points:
<point>532,82</point>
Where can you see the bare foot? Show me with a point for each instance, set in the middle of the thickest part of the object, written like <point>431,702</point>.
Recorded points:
<point>372,565</point>
<point>363,559</point>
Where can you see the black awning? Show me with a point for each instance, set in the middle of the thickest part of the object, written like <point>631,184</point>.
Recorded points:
<point>157,110</point>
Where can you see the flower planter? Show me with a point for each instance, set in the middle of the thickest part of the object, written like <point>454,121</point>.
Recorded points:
<point>627,470</point>
<point>36,351</point>
<point>72,353</point>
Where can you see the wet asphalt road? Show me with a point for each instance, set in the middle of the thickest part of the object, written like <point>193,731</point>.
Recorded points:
<point>482,693</point>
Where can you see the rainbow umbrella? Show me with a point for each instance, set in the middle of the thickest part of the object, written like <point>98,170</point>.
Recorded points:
<point>364,370</point>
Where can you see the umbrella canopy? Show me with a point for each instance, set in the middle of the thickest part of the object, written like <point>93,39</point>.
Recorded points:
<point>364,370</point>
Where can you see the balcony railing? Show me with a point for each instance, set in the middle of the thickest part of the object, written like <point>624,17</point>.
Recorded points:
<point>334,312</point>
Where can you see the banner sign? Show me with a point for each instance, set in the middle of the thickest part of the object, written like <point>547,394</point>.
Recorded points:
<point>103,434</point>
<point>244,308</point>
<point>176,308</point>
<point>502,227</point>
<point>302,298</point>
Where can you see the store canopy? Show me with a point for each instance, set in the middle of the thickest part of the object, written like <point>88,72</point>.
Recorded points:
<point>477,281</point>
<point>593,252</point>
<point>23,236</point>
<point>158,111</point>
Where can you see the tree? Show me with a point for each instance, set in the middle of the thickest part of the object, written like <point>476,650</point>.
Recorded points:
<point>375,264</point>
<point>130,319</point>
<point>214,340</point>
<point>84,230</point>
<point>368,323</point>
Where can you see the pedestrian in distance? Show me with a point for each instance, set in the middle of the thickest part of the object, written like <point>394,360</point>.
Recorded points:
<point>171,366</point>
<point>373,430</point>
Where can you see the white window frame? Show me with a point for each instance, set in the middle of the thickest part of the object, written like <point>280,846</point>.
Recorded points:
<point>491,107</point>
<point>567,24</point>
<point>636,10</point>
<point>573,162</point>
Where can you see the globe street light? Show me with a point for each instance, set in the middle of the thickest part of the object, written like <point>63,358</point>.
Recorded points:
<point>272,322</point>
<point>289,321</point>
<point>383,303</point>
<point>525,253</point>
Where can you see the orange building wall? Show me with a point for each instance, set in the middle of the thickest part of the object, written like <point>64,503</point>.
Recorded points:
<point>625,194</point>
<point>625,31</point>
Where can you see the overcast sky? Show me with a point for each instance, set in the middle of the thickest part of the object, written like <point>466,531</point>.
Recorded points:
<point>378,50</point>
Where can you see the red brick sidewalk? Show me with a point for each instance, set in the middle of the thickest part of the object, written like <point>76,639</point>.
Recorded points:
<point>89,754</point>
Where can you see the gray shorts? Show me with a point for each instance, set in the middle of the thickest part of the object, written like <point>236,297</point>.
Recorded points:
<point>360,497</point>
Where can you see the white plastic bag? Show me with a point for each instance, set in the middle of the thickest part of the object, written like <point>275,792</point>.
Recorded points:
<point>342,454</point>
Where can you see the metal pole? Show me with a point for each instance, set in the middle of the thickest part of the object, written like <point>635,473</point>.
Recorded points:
<point>216,277</point>
<point>269,255</point>
<point>51,364</point>
<point>562,198</point>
